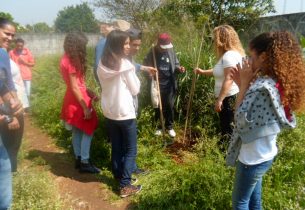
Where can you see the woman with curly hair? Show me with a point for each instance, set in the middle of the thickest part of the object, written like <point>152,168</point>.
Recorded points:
<point>77,111</point>
<point>271,88</point>
<point>229,52</point>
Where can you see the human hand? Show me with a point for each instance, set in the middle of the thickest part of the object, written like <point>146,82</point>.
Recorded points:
<point>20,60</point>
<point>150,70</point>
<point>218,105</point>
<point>14,125</point>
<point>87,113</point>
<point>181,69</point>
<point>92,95</point>
<point>197,71</point>
<point>246,73</point>
<point>16,106</point>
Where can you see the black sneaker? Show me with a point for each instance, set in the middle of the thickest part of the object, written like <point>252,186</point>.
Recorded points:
<point>130,190</point>
<point>88,168</point>
<point>77,163</point>
<point>140,171</point>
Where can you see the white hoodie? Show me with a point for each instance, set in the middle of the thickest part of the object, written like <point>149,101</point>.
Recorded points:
<point>118,87</point>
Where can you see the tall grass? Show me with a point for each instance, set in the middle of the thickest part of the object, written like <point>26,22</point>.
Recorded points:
<point>179,179</point>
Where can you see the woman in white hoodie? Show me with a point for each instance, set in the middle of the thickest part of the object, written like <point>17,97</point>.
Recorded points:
<point>119,84</point>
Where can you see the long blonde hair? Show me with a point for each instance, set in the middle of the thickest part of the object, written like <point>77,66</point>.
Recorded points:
<point>225,39</point>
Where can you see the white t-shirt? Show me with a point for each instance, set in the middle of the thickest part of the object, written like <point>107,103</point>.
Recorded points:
<point>19,85</point>
<point>258,151</point>
<point>229,59</point>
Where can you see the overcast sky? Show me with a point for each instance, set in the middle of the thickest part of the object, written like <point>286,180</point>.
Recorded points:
<point>34,11</point>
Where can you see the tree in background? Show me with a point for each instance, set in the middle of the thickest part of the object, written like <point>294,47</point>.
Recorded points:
<point>76,18</point>
<point>137,12</point>
<point>8,16</point>
<point>41,27</point>
<point>240,14</point>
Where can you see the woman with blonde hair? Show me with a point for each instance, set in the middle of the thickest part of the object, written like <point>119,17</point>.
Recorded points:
<point>229,51</point>
<point>271,88</point>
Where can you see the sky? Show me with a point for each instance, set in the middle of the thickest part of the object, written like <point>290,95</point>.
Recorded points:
<point>34,11</point>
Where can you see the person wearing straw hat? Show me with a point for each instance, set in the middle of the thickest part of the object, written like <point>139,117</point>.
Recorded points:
<point>167,65</point>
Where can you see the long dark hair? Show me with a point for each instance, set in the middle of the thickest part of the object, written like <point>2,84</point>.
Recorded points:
<point>114,49</point>
<point>75,48</point>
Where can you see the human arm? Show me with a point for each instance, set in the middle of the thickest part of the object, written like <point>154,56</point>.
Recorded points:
<point>243,75</point>
<point>27,59</point>
<point>226,85</point>
<point>78,95</point>
<point>208,72</point>
<point>148,69</point>
<point>132,82</point>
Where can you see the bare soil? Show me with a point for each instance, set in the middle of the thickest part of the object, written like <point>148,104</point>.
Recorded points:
<point>78,191</point>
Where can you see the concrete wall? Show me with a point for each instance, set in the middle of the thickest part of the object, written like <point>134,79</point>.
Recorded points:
<point>295,23</point>
<point>46,44</point>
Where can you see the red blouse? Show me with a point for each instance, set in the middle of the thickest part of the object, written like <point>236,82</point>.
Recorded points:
<point>72,112</point>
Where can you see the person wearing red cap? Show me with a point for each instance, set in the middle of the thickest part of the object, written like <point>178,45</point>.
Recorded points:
<point>167,66</point>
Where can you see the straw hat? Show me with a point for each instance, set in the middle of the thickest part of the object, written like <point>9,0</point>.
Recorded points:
<point>122,25</point>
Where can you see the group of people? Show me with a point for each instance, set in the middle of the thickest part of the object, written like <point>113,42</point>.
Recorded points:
<point>257,94</point>
<point>15,77</point>
<point>116,73</point>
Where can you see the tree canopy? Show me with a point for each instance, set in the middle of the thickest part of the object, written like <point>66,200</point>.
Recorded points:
<point>76,18</point>
<point>240,14</point>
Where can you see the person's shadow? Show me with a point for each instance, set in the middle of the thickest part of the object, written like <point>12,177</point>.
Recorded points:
<point>62,164</point>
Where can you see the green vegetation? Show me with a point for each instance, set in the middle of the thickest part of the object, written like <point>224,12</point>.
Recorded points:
<point>192,178</point>
<point>76,18</point>
<point>33,185</point>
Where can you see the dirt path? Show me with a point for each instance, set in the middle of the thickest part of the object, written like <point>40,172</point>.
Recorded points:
<point>78,191</point>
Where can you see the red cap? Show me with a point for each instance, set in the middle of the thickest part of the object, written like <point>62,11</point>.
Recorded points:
<point>164,41</point>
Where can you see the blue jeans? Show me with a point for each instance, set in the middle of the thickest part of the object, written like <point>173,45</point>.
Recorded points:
<point>248,185</point>
<point>5,179</point>
<point>123,137</point>
<point>81,144</point>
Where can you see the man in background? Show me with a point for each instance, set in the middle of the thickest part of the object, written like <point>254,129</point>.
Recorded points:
<point>23,57</point>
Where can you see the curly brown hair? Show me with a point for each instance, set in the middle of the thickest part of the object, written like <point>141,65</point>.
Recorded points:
<point>225,39</point>
<point>285,63</point>
<point>75,48</point>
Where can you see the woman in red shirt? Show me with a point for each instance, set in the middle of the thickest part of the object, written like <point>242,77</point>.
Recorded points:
<point>77,111</point>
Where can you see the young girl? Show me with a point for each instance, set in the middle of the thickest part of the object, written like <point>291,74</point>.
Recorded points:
<point>271,88</point>
<point>229,52</point>
<point>119,84</point>
<point>77,111</point>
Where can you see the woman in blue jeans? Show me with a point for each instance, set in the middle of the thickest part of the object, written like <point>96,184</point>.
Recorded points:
<point>9,97</point>
<point>270,91</point>
<point>119,84</point>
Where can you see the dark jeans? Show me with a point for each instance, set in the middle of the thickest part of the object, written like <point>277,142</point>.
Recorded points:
<point>226,116</point>
<point>168,99</point>
<point>12,141</point>
<point>123,137</point>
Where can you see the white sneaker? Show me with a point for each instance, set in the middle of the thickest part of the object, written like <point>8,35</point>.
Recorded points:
<point>172,133</point>
<point>158,132</point>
